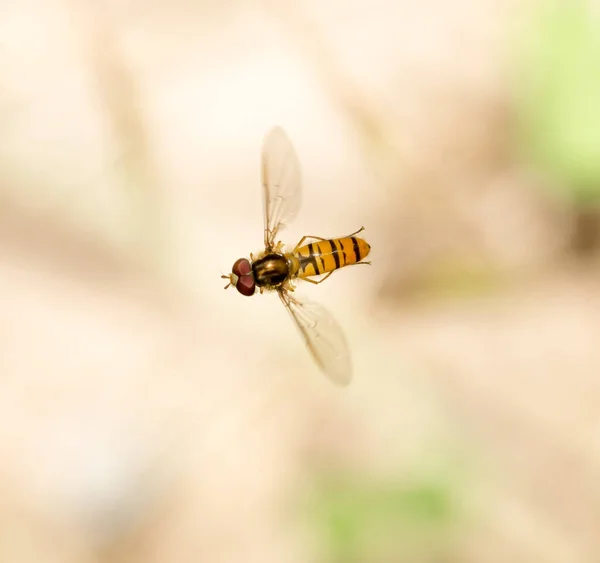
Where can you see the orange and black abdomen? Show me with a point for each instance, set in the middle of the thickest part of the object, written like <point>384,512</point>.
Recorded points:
<point>324,256</point>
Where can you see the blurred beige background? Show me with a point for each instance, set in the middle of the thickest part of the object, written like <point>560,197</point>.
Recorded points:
<point>148,415</point>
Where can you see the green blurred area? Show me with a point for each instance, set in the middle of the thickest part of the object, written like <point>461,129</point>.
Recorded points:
<point>558,106</point>
<point>363,519</point>
<point>456,278</point>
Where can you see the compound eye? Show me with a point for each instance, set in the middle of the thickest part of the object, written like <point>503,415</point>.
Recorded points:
<point>241,267</point>
<point>246,285</point>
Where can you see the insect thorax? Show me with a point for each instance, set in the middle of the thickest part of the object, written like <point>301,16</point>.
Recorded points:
<point>270,270</point>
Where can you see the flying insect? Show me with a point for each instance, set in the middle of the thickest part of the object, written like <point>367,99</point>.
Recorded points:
<point>278,269</point>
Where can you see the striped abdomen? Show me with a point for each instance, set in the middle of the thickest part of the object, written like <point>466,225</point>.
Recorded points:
<point>325,256</point>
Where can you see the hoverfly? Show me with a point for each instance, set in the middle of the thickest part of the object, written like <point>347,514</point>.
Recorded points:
<point>276,269</point>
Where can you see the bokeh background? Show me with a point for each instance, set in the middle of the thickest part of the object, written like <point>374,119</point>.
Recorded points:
<point>148,415</point>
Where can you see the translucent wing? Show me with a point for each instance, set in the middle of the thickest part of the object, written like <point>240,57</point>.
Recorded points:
<point>282,190</point>
<point>323,336</point>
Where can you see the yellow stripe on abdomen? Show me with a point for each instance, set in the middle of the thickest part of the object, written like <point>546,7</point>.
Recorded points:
<point>324,256</point>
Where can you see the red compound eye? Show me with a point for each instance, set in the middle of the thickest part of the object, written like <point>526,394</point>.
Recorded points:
<point>241,267</point>
<point>246,284</point>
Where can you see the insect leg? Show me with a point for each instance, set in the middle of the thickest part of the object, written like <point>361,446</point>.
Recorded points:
<point>304,238</point>
<point>322,279</point>
<point>355,233</point>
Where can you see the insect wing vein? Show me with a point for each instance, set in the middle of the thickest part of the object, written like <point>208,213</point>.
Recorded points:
<point>323,337</point>
<point>282,186</point>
